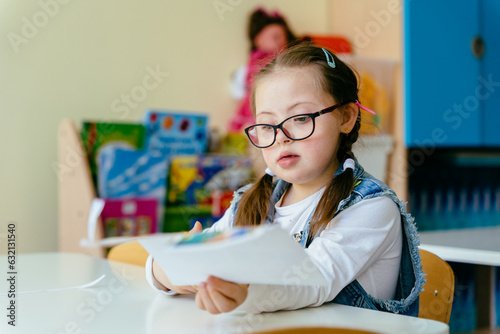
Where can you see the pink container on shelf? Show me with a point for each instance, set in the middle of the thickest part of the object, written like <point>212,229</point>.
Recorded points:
<point>129,217</point>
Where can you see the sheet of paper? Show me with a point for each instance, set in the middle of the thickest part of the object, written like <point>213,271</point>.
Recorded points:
<point>261,255</point>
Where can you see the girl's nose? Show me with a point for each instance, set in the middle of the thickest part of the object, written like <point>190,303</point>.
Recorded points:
<point>281,137</point>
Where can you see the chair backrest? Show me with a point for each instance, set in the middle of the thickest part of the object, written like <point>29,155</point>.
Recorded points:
<point>437,298</point>
<point>130,252</point>
<point>315,330</point>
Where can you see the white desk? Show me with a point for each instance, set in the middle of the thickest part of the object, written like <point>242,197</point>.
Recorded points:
<point>124,303</point>
<point>477,246</point>
<point>472,245</point>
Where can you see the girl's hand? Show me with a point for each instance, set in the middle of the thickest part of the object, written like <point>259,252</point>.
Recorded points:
<point>219,296</point>
<point>160,276</point>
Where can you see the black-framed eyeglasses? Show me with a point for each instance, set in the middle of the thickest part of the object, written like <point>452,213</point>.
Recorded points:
<point>298,127</point>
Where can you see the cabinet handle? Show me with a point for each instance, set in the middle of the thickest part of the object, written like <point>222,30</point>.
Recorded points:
<point>477,46</point>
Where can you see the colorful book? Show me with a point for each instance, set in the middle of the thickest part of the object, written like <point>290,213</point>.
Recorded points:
<point>179,218</point>
<point>129,217</point>
<point>125,174</point>
<point>207,180</point>
<point>174,132</point>
<point>234,144</point>
<point>98,135</point>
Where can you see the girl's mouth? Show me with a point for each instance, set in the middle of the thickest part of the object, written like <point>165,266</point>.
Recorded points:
<point>287,159</point>
<point>289,156</point>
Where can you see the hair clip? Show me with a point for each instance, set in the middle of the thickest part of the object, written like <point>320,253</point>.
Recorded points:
<point>269,172</point>
<point>276,13</point>
<point>363,107</point>
<point>329,58</point>
<point>348,163</point>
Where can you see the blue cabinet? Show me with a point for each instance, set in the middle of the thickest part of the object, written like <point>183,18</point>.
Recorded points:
<point>490,31</point>
<point>452,73</point>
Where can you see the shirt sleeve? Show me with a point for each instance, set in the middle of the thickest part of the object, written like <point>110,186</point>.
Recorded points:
<point>152,280</point>
<point>224,223</point>
<point>353,241</point>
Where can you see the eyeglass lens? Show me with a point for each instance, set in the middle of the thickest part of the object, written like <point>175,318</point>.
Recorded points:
<point>296,128</point>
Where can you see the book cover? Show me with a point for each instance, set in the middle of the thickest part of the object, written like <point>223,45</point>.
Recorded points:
<point>98,135</point>
<point>207,180</point>
<point>129,217</point>
<point>174,132</point>
<point>126,173</point>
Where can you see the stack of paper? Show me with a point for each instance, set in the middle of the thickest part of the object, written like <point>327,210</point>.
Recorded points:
<point>261,255</point>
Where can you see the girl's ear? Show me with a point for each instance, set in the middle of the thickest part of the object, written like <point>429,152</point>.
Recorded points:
<point>349,117</point>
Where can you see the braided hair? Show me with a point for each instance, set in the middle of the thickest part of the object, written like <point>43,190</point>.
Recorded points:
<point>342,84</point>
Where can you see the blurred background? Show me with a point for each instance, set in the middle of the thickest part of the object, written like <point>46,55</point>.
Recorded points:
<point>81,59</point>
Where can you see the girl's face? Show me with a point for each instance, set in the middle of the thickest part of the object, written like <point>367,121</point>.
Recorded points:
<point>310,162</point>
<point>271,38</point>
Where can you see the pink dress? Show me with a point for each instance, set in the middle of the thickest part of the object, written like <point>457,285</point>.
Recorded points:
<point>243,116</point>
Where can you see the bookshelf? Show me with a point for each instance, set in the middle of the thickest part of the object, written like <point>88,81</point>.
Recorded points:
<point>76,190</point>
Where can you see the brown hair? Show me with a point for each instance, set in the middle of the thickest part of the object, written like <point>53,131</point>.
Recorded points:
<point>342,84</point>
<point>260,19</point>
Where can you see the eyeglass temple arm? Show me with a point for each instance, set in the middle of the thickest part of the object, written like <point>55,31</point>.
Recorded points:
<point>363,107</point>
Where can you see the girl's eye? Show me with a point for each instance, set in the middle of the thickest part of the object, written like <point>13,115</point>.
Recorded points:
<point>301,119</point>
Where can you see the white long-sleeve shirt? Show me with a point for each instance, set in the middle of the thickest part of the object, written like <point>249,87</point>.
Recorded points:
<point>362,242</point>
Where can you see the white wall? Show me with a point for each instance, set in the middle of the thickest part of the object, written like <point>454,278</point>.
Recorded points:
<point>84,55</point>
<point>373,26</point>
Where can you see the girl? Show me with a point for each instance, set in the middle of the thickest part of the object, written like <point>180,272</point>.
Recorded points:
<point>351,224</point>
<point>268,32</point>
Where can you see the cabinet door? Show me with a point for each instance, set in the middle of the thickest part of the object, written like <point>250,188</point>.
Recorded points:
<point>489,90</point>
<point>441,73</point>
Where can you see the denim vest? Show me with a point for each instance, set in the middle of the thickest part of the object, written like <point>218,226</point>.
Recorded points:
<point>410,279</point>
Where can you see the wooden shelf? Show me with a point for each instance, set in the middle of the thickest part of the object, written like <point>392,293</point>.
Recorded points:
<point>75,193</point>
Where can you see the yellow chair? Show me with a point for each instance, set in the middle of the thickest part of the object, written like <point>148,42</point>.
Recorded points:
<point>129,252</point>
<point>437,298</point>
